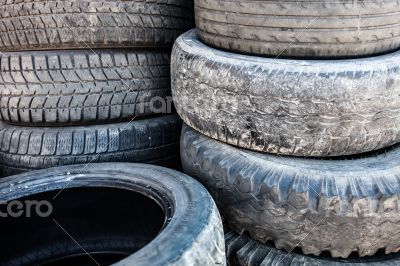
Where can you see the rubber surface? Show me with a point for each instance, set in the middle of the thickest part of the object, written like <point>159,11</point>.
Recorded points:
<point>242,251</point>
<point>292,107</point>
<point>339,206</point>
<point>89,216</point>
<point>80,87</point>
<point>193,233</point>
<point>302,28</point>
<point>152,140</point>
<point>51,24</point>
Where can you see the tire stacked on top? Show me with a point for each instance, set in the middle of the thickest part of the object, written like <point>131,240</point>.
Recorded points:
<point>314,165</point>
<point>82,81</point>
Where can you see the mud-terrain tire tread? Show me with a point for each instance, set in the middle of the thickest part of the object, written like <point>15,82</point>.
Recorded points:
<point>243,251</point>
<point>339,206</point>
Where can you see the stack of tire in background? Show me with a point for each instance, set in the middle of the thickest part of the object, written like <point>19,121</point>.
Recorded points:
<point>78,80</point>
<point>313,170</point>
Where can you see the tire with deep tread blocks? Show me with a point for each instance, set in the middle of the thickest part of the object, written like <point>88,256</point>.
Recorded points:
<point>241,250</point>
<point>339,206</point>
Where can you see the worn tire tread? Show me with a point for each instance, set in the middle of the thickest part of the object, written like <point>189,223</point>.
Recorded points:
<point>293,107</point>
<point>339,206</point>
<point>49,24</point>
<point>300,28</point>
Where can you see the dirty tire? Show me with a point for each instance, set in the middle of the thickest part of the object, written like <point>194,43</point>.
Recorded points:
<point>81,87</point>
<point>339,206</point>
<point>51,24</point>
<point>300,28</point>
<point>291,107</point>
<point>152,140</point>
<point>192,232</point>
<point>243,251</point>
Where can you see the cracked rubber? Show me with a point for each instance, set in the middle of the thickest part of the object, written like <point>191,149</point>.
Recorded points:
<point>339,206</point>
<point>300,28</point>
<point>291,107</point>
<point>243,251</point>
<point>151,140</point>
<point>81,87</point>
<point>192,233</point>
<point>50,24</point>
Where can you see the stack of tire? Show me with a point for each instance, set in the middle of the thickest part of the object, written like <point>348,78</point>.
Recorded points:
<point>292,119</point>
<point>85,81</point>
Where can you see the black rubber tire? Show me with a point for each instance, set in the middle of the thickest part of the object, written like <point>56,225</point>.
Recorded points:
<point>339,206</point>
<point>300,28</point>
<point>291,107</point>
<point>52,24</point>
<point>192,233</point>
<point>81,86</point>
<point>50,253</point>
<point>243,251</point>
<point>152,140</point>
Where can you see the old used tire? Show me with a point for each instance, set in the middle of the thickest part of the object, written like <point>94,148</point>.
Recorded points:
<point>339,206</point>
<point>300,28</point>
<point>292,107</point>
<point>243,251</point>
<point>80,87</point>
<point>152,140</point>
<point>188,229</point>
<point>51,24</point>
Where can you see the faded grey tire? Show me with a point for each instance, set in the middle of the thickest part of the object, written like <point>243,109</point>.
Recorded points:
<point>300,28</point>
<point>339,206</point>
<point>243,251</point>
<point>82,86</point>
<point>151,140</point>
<point>291,107</point>
<point>72,24</point>
<point>191,230</point>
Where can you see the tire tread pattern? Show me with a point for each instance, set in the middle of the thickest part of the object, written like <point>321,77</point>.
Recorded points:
<point>152,140</point>
<point>71,24</point>
<point>336,206</point>
<point>243,251</point>
<point>73,87</point>
<point>291,107</point>
<point>300,28</point>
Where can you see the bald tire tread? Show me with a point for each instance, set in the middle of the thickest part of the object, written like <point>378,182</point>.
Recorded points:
<point>71,24</point>
<point>323,29</point>
<point>151,140</point>
<point>241,250</point>
<point>81,86</point>
<point>292,107</point>
<point>337,206</point>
